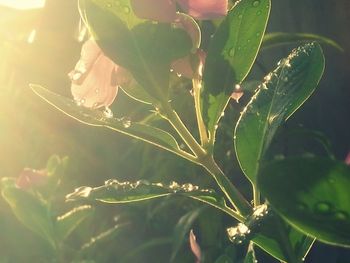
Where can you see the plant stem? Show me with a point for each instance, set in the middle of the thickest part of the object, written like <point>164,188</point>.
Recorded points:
<point>181,129</point>
<point>231,192</point>
<point>292,258</point>
<point>256,196</point>
<point>201,126</point>
<point>207,161</point>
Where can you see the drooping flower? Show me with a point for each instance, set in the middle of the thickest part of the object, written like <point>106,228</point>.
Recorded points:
<point>95,78</point>
<point>29,178</point>
<point>165,10</point>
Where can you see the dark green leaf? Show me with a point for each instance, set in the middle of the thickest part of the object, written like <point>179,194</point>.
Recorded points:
<point>68,222</point>
<point>231,54</point>
<point>182,229</point>
<point>106,236</point>
<point>144,48</point>
<point>31,212</point>
<point>281,38</point>
<point>312,194</point>
<point>277,98</point>
<point>224,259</point>
<point>97,118</point>
<point>269,239</point>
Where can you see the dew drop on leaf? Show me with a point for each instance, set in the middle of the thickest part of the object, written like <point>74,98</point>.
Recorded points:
<point>126,9</point>
<point>126,122</point>
<point>256,3</point>
<point>108,113</point>
<point>340,215</point>
<point>322,207</point>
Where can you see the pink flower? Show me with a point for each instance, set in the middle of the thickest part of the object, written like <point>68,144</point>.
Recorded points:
<point>165,10</point>
<point>29,178</point>
<point>95,78</point>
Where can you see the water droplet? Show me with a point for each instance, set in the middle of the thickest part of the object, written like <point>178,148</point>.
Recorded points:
<point>258,13</point>
<point>126,122</point>
<point>267,77</point>
<point>238,234</point>
<point>322,207</point>
<point>171,70</point>
<point>257,34</point>
<point>189,187</point>
<point>111,182</point>
<point>222,114</point>
<point>256,3</point>
<point>109,5</point>
<point>340,215</point>
<point>216,127</point>
<point>97,91</point>
<point>108,113</point>
<point>263,86</point>
<point>272,118</point>
<point>240,16</point>
<point>179,75</point>
<point>301,206</point>
<point>126,9</point>
<point>248,41</point>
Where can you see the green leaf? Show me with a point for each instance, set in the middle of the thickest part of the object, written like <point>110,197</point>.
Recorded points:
<point>144,48</point>
<point>281,38</point>
<point>250,257</point>
<point>277,98</point>
<point>67,223</point>
<point>270,240</point>
<point>31,212</point>
<point>97,118</point>
<point>312,194</point>
<point>107,236</point>
<point>231,54</point>
<point>182,229</point>
<point>115,192</point>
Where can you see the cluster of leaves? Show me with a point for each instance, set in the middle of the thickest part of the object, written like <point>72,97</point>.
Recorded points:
<point>307,196</point>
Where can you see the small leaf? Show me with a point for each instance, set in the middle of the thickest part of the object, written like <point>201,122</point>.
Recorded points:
<point>231,54</point>
<point>31,212</point>
<point>250,257</point>
<point>312,194</point>
<point>281,38</point>
<point>182,229</point>
<point>97,118</point>
<point>269,240</point>
<point>67,223</point>
<point>115,192</point>
<point>277,98</point>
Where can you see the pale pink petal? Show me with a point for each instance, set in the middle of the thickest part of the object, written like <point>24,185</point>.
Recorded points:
<point>204,9</point>
<point>195,248</point>
<point>158,10</point>
<point>97,88</point>
<point>31,178</point>
<point>191,27</point>
<point>89,53</point>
